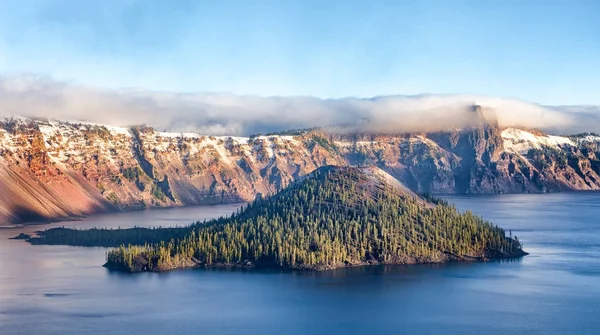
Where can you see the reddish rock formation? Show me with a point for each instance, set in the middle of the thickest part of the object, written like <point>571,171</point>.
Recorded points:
<point>52,169</point>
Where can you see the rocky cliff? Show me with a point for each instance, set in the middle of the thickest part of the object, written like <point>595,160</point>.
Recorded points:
<point>53,169</point>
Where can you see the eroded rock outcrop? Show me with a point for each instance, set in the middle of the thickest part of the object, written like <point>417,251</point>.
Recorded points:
<point>53,169</point>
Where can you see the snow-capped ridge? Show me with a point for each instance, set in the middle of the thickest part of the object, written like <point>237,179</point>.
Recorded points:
<point>138,167</point>
<point>521,141</point>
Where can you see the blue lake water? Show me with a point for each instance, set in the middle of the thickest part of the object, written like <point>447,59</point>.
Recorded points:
<point>555,290</point>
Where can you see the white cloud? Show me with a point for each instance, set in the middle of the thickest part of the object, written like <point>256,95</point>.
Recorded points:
<point>210,113</point>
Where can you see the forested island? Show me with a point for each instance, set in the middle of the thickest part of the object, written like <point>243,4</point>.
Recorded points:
<point>334,217</point>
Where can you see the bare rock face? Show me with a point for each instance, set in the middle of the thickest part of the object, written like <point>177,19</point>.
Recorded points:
<point>53,169</point>
<point>482,159</point>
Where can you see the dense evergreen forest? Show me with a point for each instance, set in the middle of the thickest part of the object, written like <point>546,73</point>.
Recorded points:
<point>334,217</point>
<point>107,237</point>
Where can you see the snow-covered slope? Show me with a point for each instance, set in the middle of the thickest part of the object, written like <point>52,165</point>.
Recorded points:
<point>521,141</point>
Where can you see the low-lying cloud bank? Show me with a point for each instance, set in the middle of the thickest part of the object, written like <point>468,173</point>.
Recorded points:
<point>228,114</point>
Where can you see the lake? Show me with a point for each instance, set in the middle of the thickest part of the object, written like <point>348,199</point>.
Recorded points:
<point>554,290</point>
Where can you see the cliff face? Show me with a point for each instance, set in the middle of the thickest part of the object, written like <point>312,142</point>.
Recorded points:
<point>52,169</point>
<point>482,159</point>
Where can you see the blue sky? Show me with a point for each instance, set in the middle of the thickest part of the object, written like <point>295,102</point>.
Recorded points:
<point>542,51</point>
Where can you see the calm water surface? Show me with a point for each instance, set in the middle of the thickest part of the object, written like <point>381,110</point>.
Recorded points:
<point>555,290</point>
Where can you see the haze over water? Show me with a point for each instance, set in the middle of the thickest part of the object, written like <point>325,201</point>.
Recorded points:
<point>555,290</point>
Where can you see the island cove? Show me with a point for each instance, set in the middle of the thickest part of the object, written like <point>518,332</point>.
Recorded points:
<point>334,217</point>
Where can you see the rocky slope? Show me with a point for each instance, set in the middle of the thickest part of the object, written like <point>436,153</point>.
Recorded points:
<point>53,169</point>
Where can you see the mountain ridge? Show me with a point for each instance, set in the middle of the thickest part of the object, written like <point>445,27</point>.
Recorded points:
<point>54,169</point>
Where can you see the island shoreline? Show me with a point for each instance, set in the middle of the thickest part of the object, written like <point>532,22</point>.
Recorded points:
<point>196,266</point>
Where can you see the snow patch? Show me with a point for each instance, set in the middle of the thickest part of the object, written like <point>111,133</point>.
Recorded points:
<point>521,141</point>
<point>178,135</point>
<point>589,139</point>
